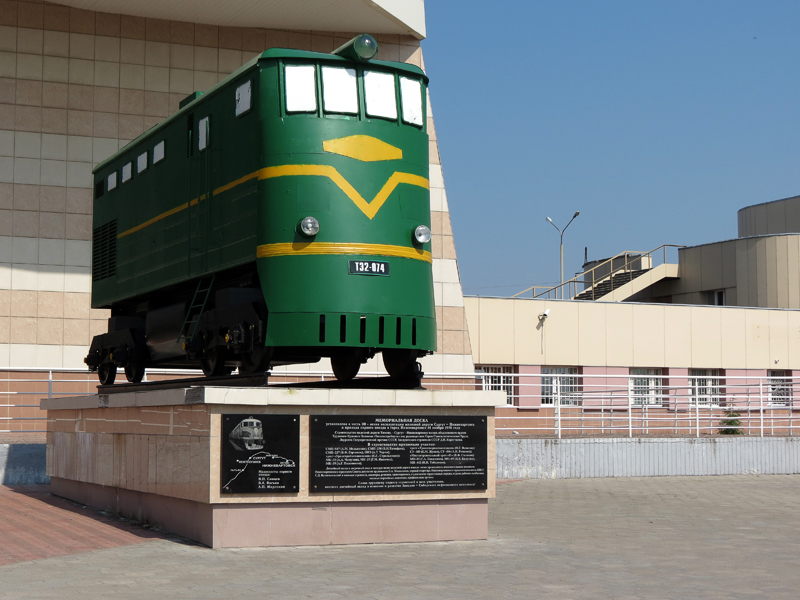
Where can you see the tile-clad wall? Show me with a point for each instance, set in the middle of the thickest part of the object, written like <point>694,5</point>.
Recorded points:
<point>75,86</point>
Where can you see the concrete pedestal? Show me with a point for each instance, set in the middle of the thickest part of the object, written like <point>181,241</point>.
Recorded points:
<point>156,457</point>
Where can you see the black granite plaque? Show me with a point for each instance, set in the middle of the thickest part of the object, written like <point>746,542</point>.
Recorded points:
<point>394,453</point>
<point>260,454</point>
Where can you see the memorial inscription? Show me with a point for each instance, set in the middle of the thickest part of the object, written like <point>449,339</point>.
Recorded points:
<point>397,453</point>
<point>260,454</point>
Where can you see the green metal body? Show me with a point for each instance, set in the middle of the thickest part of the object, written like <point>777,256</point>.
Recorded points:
<point>203,211</point>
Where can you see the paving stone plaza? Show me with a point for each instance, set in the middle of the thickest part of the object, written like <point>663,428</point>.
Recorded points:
<point>681,537</point>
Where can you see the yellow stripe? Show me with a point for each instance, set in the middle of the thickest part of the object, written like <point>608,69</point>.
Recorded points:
<point>370,209</point>
<point>306,248</point>
<point>164,215</point>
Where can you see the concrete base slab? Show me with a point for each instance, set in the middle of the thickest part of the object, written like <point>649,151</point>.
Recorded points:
<point>290,524</point>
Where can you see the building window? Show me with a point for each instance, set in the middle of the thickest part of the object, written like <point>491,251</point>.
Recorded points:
<point>560,385</point>
<point>704,386</point>
<point>645,386</point>
<point>497,377</point>
<point>780,388</point>
<point>716,298</point>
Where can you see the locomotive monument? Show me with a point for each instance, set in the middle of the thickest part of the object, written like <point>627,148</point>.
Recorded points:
<point>280,217</point>
<point>239,234</point>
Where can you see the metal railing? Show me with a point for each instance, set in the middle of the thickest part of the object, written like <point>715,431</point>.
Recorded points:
<point>604,272</point>
<point>647,405</point>
<point>21,389</point>
<point>545,404</point>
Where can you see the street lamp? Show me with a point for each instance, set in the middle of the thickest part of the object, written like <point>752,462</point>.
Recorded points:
<point>561,232</point>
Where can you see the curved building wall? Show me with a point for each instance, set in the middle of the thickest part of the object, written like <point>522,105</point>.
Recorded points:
<point>769,218</point>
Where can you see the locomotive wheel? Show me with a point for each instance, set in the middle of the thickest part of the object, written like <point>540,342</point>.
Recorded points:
<point>346,365</point>
<point>400,363</point>
<point>256,361</point>
<point>213,363</point>
<point>134,371</point>
<point>107,373</point>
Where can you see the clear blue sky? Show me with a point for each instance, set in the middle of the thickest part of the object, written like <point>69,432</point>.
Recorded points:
<point>658,120</point>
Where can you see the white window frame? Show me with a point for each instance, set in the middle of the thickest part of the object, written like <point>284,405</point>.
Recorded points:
<point>498,378</point>
<point>704,387</point>
<point>780,387</point>
<point>645,386</point>
<point>562,384</point>
<point>300,92</point>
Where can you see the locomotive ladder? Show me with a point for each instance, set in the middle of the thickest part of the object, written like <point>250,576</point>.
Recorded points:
<point>196,308</point>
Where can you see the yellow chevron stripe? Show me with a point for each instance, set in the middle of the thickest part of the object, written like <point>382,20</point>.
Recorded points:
<point>370,209</point>
<point>307,248</point>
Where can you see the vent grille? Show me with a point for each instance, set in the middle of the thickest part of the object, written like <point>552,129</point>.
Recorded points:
<point>189,130</point>
<point>98,189</point>
<point>104,251</point>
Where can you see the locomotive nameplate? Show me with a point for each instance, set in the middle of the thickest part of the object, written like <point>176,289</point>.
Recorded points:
<point>260,454</point>
<point>397,453</point>
<point>369,267</point>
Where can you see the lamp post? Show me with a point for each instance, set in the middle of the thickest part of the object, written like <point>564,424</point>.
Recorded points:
<point>561,233</point>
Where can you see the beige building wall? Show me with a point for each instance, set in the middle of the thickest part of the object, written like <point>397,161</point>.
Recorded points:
<point>612,334</point>
<point>75,86</point>
<point>779,216</point>
<point>759,271</point>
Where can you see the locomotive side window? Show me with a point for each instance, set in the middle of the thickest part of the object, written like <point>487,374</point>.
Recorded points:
<point>301,88</point>
<point>141,162</point>
<point>126,172</point>
<point>112,181</point>
<point>158,152</point>
<point>243,98</point>
<point>339,90</point>
<point>202,138</point>
<point>380,94</point>
<point>411,101</point>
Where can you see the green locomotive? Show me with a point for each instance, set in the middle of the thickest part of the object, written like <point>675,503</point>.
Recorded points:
<point>280,217</point>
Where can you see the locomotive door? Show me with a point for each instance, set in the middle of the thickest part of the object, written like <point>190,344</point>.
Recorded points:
<point>200,185</point>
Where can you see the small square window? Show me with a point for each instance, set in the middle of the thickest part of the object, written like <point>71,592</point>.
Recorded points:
<point>243,98</point>
<point>112,181</point>
<point>158,152</point>
<point>202,138</point>
<point>141,162</point>
<point>126,172</point>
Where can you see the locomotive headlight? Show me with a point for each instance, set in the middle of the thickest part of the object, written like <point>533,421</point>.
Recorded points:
<point>309,227</point>
<point>422,234</point>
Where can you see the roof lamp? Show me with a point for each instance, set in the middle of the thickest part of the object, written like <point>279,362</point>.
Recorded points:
<point>361,48</point>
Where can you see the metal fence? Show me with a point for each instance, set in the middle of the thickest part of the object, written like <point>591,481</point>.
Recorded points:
<point>567,403</point>
<point>561,402</point>
<point>21,389</point>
